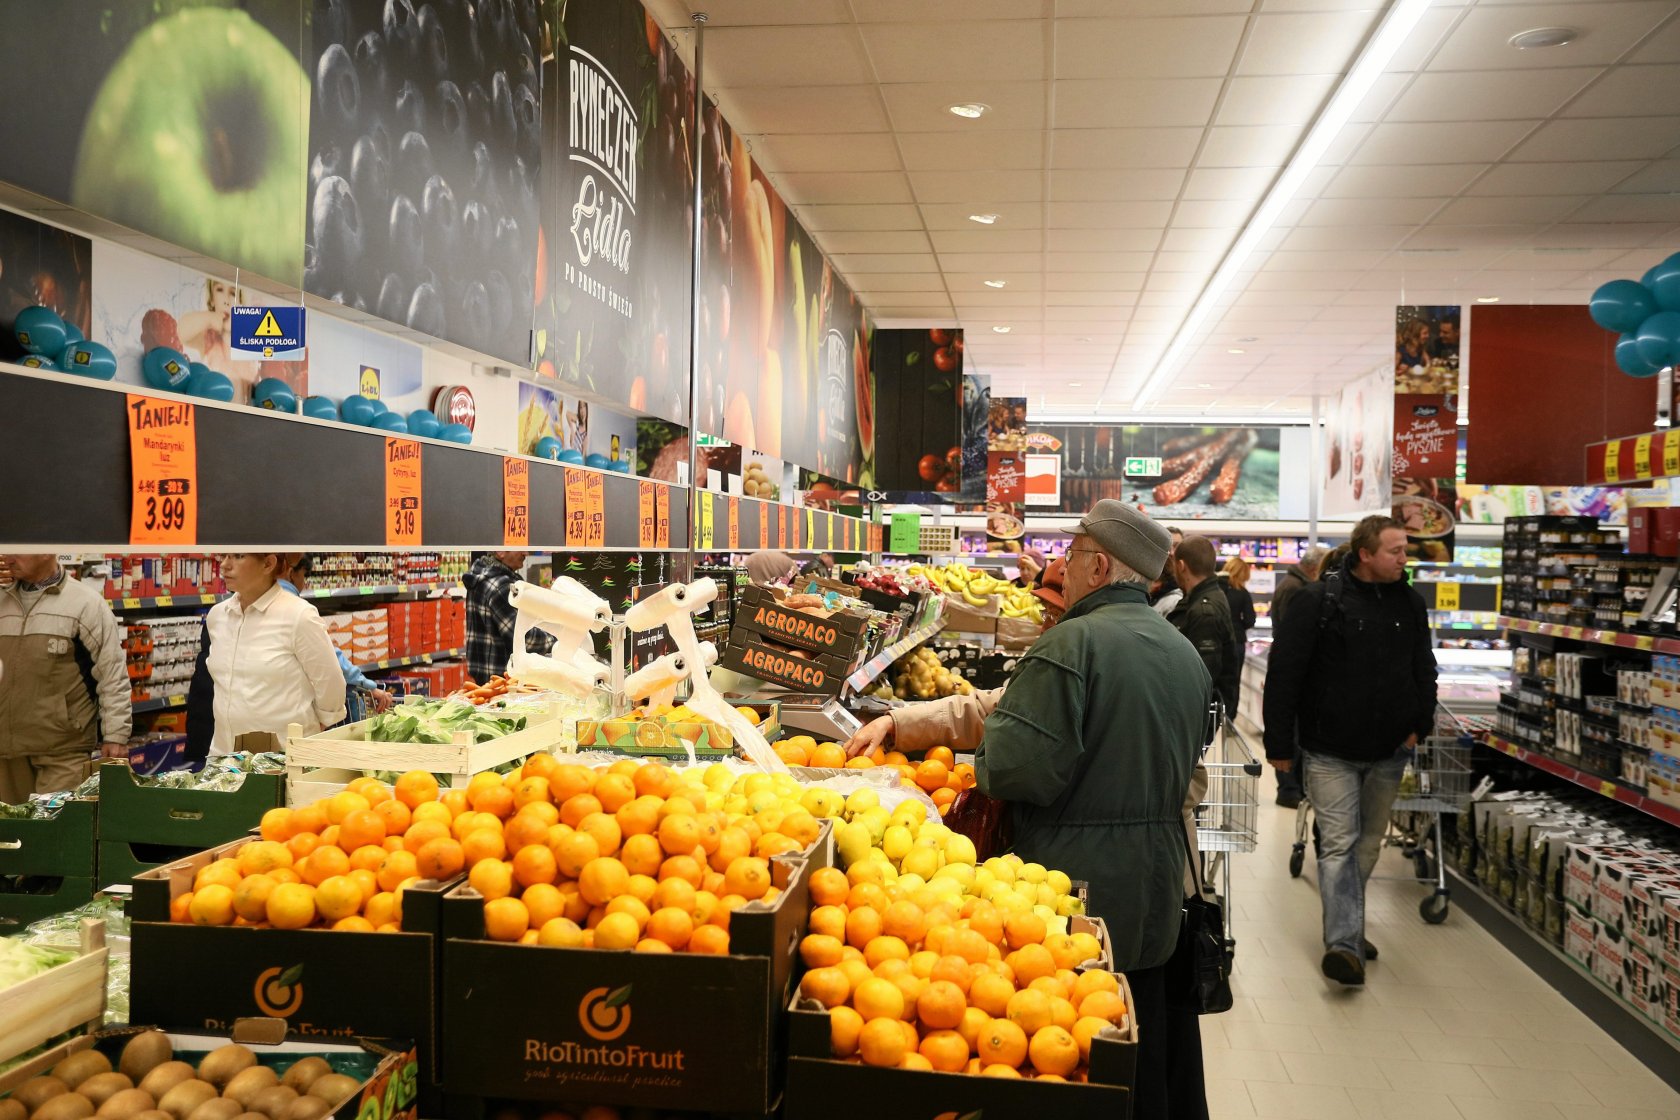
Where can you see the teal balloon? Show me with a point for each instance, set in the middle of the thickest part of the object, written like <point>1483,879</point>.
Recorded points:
<point>164,368</point>
<point>38,361</point>
<point>90,359</point>
<point>622,466</point>
<point>573,456</point>
<point>275,395</point>
<point>547,448</point>
<point>423,422</point>
<point>197,369</point>
<point>321,408</point>
<point>598,461</point>
<point>380,408</point>
<point>456,433</point>
<point>1621,305</point>
<point>1629,361</point>
<point>39,330</point>
<point>391,422</point>
<point>211,385</point>
<point>1665,283</point>
<point>1659,339</point>
<point>357,410</point>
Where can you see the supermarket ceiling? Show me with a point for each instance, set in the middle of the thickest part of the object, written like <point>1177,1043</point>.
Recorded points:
<point>1127,143</point>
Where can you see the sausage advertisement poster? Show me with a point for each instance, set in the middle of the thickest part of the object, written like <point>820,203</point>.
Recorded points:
<point>1172,471</point>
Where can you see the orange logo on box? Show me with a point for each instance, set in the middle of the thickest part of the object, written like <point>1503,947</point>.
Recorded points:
<point>279,993</point>
<point>605,1015</point>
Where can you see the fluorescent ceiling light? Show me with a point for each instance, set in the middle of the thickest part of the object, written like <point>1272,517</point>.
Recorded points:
<point>983,219</point>
<point>1396,26</point>
<point>1003,330</point>
<point>1204,384</point>
<point>996,283</point>
<point>1487,299</point>
<point>970,110</point>
<point>1075,384</point>
<point>1235,350</point>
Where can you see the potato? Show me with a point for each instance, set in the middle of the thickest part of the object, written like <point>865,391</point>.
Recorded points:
<point>304,1074</point>
<point>126,1105</point>
<point>220,1065</point>
<point>12,1110</point>
<point>144,1053</point>
<point>273,1101</point>
<point>307,1108</point>
<point>65,1106</point>
<point>247,1083</point>
<point>77,1068</point>
<point>35,1092</point>
<point>181,1101</point>
<point>165,1077</point>
<point>219,1109</point>
<point>333,1087</point>
<point>101,1087</point>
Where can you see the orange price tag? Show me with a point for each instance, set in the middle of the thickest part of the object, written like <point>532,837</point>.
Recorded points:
<point>404,520</point>
<point>1642,457</point>
<point>163,458</point>
<point>662,506</point>
<point>764,509</point>
<point>781,527</point>
<point>516,503</point>
<point>734,524</point>
<point>595,510</point>
<point>577,513</point>
<point>1613,461</point>
<point>647,520</point>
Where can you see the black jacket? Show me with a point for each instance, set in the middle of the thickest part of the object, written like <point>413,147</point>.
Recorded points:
<point>1351,677</point>
<point>1288,584</point>
<point>1204,617</point>
<point>1243,617</point>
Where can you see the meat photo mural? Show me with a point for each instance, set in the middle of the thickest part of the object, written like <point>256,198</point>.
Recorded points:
<point>1173,472</point>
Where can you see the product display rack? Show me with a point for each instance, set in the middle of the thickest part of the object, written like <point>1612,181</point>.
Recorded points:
<point>1621,639</point>
<point>1597,783</point>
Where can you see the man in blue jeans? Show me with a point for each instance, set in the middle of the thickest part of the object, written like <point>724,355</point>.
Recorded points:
<point>1352,676</point>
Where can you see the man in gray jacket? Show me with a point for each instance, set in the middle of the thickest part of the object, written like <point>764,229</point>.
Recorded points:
<point>63,679</point>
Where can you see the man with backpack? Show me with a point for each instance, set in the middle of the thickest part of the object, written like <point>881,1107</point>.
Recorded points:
<point>1352,676</point>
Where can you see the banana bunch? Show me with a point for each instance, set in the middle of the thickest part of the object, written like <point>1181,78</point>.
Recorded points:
<point>971,584</point>
<point>1020,602</point>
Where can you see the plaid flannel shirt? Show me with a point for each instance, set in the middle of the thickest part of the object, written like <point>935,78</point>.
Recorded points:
<point>490,620</point>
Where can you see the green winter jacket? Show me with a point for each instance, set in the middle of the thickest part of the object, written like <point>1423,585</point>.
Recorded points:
<point>1094,741</point>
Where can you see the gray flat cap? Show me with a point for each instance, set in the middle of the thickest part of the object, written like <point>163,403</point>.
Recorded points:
<point>1127,534</point>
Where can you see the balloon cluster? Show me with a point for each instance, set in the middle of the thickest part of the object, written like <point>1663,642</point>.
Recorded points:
<point>550,448</point>
<point>1646,313</point>
<point>53,343</point>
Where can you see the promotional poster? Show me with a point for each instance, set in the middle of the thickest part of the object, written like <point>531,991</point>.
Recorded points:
<point>1171,471</point>
<point>916,379</point>
<point>42,264</point>
<point>1358,439</point>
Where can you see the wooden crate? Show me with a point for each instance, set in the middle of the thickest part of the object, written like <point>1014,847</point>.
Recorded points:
<point>61,999</point>
<point>319,765</point>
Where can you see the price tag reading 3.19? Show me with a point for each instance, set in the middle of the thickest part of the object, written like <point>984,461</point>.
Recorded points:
<point>404,523</point>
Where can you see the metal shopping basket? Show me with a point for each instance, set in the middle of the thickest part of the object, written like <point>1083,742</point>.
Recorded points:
<point>1227,820</point>
<point>1437,782</point>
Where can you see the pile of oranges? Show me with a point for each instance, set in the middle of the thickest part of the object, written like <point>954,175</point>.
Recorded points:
<point>913,979</point>
<point>938,774</point>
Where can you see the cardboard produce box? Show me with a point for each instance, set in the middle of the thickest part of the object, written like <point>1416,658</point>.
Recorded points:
<point>653,1030</point>
<point>819,1087</point>
<point>659,737</point>
<point>196,978</point>
<point>37,897</point>
<point>838,635</point>
<point>748,653</point>
<point>59,845</point>
<point>135,813</point>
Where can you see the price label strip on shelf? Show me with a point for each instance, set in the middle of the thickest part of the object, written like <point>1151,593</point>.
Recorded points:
<point>734,524</point>
<point>516,503</point>
<point>1613,461</point>
<point>662,515</point>
<point>404,515</point>
<point>647,519</point>
<point>595,510</point>
<point>163,460</point>
<point>577,515</point>
<point>1642,457</point>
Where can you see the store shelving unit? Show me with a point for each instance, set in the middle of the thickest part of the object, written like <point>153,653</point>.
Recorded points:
<point>878,664</point>
<point>1622,639</point>
<point>412,660</point>
<point>1597,783</point>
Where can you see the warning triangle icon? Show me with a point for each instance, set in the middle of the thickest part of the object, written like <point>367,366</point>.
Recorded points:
<point>268,328</point>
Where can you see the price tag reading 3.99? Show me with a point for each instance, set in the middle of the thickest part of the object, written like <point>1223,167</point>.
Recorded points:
<point>163,457</point>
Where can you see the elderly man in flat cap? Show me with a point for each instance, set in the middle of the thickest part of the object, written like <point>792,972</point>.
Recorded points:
<point>1094,742</point>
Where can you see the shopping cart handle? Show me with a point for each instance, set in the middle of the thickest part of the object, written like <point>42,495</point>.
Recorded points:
<point>1251,768</point>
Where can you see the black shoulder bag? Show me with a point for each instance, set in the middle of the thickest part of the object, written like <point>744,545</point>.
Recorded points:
<point>1202,939</point>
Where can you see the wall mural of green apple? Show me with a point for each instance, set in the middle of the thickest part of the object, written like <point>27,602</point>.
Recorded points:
<point>198,136</point>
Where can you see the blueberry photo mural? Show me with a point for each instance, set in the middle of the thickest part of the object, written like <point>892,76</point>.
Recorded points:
<point>425,163</point>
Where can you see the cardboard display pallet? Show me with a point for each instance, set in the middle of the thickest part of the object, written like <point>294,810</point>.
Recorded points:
<point>194,978</point>
<point>70,997</point>
<point>748,654</point>
<point>819,1087</point>
<point>654,1030</point>
<point>134,813</point>
<point>61,844</point>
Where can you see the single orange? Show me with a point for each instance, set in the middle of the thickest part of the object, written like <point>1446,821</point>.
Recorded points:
<point>323,863</point>
<point>422,833</point>
<point>524,830</point>
<point>1053,1051</point>
<point>654,778</point>
<point>396,816</point>
<point>747,877</point>
<point>639,816</point>
<point>1023,929</point>
<point>1104,1005</point>
<point>291,906</point>
<point>675,892</point>
<point>932,774</point>
<point>844,1026</point>
<point>415,787</point>
<point>733,843</point>
<point>276,825</point>
<point>568,780</point>
<point>398,868</point>
<point>572,852</point>
<point>576,808</point>
<point>250,897</point>
<point>614,791</point>
<point>642,855</point>
<point>941,1006</point>
<point>710,939</point>
<point>1029,1009</point>
<point>863,925</point>
<point>991,993</point>
<point>608,836</point>
<point>506,919</point>
<point>830,920</point>
<point>672,926</point>
<point>881,1042</point>
<point>884,948</point>
<point>876,998</point>
<point>534,864</point>
<point>940,754</point>
<point>338,897</point>
<point>945,1050</point>
<point>482,844</point>
<point>603,880</point>
<point>829,886</point>
<point>617,931</point>
<point>1002,1042</point>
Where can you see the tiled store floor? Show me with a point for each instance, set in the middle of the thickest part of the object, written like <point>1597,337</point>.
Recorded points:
<point>1450,1025</point>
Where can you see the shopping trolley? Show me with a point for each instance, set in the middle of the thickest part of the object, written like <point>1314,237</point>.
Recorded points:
<point>1437,782</point>
<point>1228,818</point>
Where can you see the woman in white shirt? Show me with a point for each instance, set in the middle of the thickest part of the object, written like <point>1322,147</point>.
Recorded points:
<point>270,657</point>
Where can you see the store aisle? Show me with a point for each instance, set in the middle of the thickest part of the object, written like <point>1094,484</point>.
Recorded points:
<point>1450,1025</point>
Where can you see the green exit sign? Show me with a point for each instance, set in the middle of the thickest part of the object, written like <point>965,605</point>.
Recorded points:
<point>1142,466</point>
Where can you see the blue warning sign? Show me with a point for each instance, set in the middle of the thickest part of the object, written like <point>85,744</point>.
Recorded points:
<point>267,334</point>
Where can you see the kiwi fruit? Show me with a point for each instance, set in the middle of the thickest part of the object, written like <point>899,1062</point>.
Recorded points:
<point>307,1108</point>
<point>125,1105</point>
<point>37,1091</point>
<point>165,1077</point>
<point>65,1106</point>
<point>273,1101</point>
<point>304,1074</point>
<point>77,1068</point>
<point>144,1053</point>
<point>247,1083</point>
<point>181,1101</point>
<point>333,1087</point>
<point>219,1109</point>
<point>221,1064</point>
<point>101,1087</point>
<point>12,1110</point>
<point>153,1114</point>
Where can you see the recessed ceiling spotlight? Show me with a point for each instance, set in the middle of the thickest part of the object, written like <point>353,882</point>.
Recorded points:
<point>1003,330</point>
<point>1487,299</point>
<point>970,110</point>
<point>1075,384</point>
<point>996,283</point>
<point>1236,350</point>
<point>1083,338</point>
<point>1540,38</point>
<point>983,219</point>
<point>1250,338</point>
